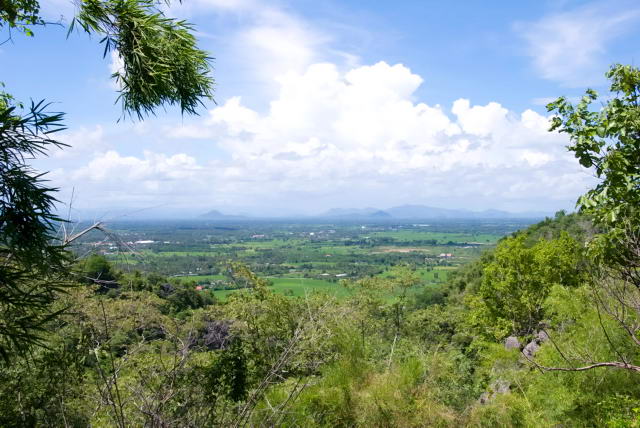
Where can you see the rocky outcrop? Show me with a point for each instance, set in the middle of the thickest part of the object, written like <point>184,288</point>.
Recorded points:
<point>532,347</point>
<point>499,386</point>
<point>512,342</point>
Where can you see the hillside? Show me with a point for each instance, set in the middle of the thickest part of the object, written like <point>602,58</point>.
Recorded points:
<point>439,351</point>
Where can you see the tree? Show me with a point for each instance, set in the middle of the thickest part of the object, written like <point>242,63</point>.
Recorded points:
<point>162,63</point>
<point>162,66</point>
<point>32,269</point>
<point>608,141</point>
<point>20,14</point>
<point>96,269</point>
<point>516,283</point>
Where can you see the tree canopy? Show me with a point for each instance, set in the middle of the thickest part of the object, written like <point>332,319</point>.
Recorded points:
<point>607,140</point>
<point>162,65</point>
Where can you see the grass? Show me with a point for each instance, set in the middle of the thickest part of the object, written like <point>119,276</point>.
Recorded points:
<point>440,237</point>
<point>437,274</point>
<point>300,286</point>
<point>296,287</point>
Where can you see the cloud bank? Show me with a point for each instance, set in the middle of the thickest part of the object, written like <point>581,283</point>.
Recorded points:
<point>347,138</point>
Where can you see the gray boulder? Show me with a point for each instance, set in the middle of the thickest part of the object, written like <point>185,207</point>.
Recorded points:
<point>499,386</point>
<point>533,346</point>
<point>512,342</point>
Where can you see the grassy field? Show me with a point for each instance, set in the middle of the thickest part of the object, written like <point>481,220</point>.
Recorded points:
<point>433,275</point>
<point>296,287</point>
<point>440,237</point>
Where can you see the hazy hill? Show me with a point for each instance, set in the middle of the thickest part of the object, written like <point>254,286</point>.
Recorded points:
<point>423,212</point>
<point>403,212</point>
<point>349,212</point>
<point>217,215</point>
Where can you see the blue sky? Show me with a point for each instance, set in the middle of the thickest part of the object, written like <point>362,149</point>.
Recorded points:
<point>335,104</point>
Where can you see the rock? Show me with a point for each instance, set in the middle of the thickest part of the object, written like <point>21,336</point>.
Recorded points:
<point>497,387</point>
<point>542,336</point>
<point>500,386</point>
<point>512,342</point>
<point>531,348</point>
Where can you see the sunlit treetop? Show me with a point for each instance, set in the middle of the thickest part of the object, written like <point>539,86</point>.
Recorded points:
<point>607,140</point>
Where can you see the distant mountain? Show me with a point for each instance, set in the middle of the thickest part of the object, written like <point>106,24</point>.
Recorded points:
<point>349,212</point>
<point>497,214</point>
<point>422,212</point>
<point>217,215</point>
<point>355,213</point>
<point>425,212</point>
<point>403,212</point>
<point>380,214</point>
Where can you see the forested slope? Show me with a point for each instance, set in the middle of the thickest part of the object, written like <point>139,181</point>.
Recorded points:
<point>141,350</point>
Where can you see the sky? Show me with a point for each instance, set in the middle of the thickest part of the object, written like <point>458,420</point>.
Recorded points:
<point>330,104</point>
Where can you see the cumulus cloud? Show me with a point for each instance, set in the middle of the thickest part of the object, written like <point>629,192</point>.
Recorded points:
<point>81,142</point>
<point>272,39</point>
<point>569,47</point>
<point>332,138</point>
<point>280,43</point>
<point>112,167</point>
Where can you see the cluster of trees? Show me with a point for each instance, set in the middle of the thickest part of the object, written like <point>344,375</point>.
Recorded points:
<point>543,331</point>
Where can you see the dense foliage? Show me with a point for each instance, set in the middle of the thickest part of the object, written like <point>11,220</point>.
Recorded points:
<point>32,269</point>
<point>162,65</point>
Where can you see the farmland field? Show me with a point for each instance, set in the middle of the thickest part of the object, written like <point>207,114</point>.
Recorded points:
<point>296,287</point>
<point>297,258</point>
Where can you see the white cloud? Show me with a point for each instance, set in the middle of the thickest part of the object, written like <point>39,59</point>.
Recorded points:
<point>570,47</point>
<point>117,63</point>
<point>111,167</point>
<point>355,138</point>
<point>237,117</point>
<point>479,120</point>
<point>81,142</point>
<point>269,41</point>
<point>277,42</point>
